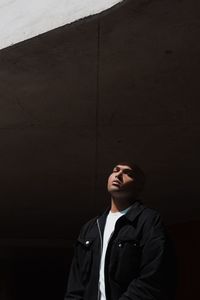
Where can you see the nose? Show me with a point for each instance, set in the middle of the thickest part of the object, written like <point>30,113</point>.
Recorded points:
<point>119,175</point>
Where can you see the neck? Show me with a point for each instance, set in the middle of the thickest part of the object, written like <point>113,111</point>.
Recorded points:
<point>120,204</point>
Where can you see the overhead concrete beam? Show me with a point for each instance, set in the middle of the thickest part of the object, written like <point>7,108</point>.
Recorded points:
<point>22,19</point>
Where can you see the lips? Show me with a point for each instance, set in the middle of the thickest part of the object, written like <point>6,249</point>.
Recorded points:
<point>116,182</point>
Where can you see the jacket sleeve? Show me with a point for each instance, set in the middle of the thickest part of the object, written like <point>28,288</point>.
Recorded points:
<point>155,280</point>
<point>75,288</point>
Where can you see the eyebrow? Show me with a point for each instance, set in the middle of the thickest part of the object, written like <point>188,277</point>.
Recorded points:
<point>125,169</point>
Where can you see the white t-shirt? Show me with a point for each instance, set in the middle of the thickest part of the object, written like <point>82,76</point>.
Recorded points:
<point>109,228</point>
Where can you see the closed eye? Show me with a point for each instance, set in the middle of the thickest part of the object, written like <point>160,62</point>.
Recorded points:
<point>129,173</point>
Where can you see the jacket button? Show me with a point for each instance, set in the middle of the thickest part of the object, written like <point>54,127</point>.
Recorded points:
<point>87,242</point>
<point>120,245</point>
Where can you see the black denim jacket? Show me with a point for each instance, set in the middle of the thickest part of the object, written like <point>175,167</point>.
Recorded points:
<point>139,263</point>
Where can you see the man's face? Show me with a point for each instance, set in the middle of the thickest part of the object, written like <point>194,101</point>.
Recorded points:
<point>121,180</point>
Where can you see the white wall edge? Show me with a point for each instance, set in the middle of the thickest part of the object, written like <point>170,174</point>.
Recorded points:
<point>21,19</point>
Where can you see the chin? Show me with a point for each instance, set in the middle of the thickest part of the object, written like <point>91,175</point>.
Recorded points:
<point>111,192</point>
<point>114,188</point>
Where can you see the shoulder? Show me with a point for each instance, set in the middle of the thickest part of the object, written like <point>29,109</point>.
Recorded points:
<point>150,215</point>
<point>151,221</point>
<point>88,227</point>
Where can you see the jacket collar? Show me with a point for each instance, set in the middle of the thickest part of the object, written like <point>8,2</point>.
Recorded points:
<point>130,216</point>
<point>134,211</point>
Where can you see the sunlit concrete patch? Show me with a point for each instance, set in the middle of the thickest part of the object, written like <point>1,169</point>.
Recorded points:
<point>22,19</point>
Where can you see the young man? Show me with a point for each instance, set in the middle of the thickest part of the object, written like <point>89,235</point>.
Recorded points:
<point>124,254</point>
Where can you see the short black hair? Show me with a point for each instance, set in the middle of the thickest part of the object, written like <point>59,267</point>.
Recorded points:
<point>138,173</point>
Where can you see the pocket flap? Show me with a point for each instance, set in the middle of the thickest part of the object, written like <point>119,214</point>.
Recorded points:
<point>131,241</point>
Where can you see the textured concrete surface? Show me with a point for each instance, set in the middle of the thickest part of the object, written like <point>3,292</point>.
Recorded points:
<point>73,101</point>
<point>47,130</point>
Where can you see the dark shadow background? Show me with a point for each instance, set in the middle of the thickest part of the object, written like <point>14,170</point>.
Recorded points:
<point>119,86</point>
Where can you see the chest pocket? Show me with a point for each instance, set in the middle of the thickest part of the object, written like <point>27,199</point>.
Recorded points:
<point>129,250</point>
<point>127,255</point>
<point>85,257</point>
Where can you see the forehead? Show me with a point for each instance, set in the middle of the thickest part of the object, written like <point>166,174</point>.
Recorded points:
<point>123,167</point>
